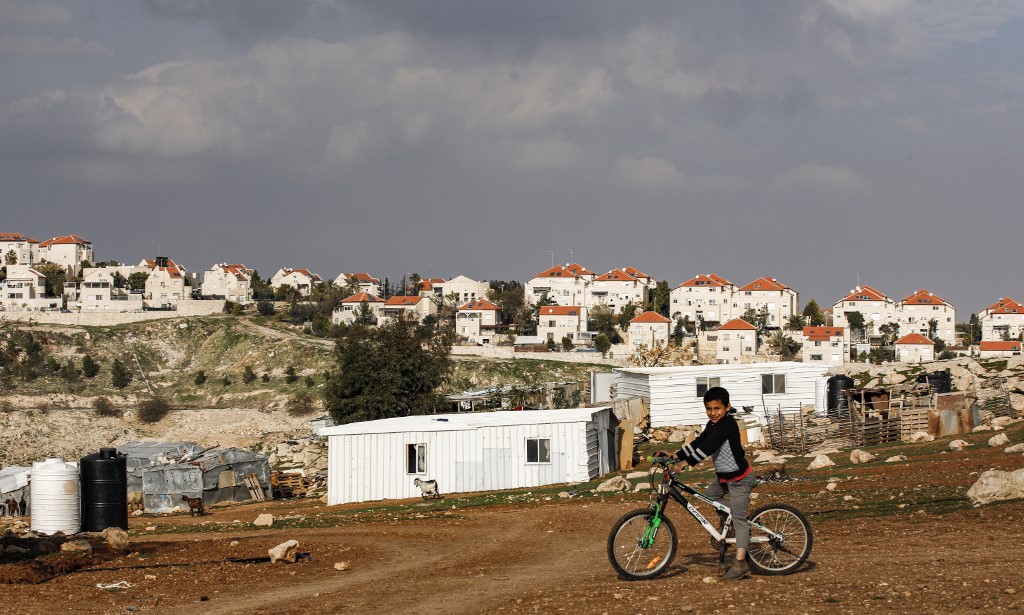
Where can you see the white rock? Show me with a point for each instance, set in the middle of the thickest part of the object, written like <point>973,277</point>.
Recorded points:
<point>896,458</point>
<point>116,538</point>
<point>678,436</point>
<point>234,543</point>
<point>615,483</point>
<point>641,487</point>
<point>998,440</point>
<point>982,428</point>
<point>633,475</point>
<point>76,546</point>
<point>958,445</point>
<point>921,436</point>
<point>564,494</point>
<point>341,566</point>
<point>821,461</point>
<point>1002,421</point>
<point>264,520</point>
<point>859,456</point>
<point>710,580</point>
<point>284,552</point>
<point>847,498</point>
<point>1016,448</point>
<point>996,485</point>
<point>831,486</point>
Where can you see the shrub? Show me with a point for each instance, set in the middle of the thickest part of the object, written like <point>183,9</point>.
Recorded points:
<point>265,308</point>
<point>105,407</point>
<point>265,377</point>
<point>248,375</point>
<point>200,378</point>
<point>69,372</point>
<point>302,404</point>
<point>153,410</point>
<point>6,406</point>
<point>225,381</point>
<point>309,381</point>
<point>89,367</point>
<point>119,375</point>
<point>289,375</point>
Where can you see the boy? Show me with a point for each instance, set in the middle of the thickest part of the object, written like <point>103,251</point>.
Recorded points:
<point>721,441</point>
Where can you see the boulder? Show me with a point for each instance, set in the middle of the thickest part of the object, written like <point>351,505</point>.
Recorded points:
<point>1016,448</point>
<point>831,487</point>
<point>821,461</point>
<point>284,552</point>
<point>14,550</point>
<point>341,566</point>
<point>958,445</point>
<point>859,456</point>
<point>998,440</point>
<point>264,520</point>
<point>982,428</point>
<point>678,435</point>
<point>896,458</point>
<point>921,436</point>
<point>641,474</point>
<point>615,483</point>
<point>116,538</point>
<point>996,485</point>
<point>76,546</point>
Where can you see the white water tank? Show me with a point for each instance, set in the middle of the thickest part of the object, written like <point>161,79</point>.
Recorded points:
<point>56,497</point>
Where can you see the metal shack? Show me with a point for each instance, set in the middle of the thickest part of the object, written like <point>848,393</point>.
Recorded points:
<point>376,460</point>
<point>676,393</point>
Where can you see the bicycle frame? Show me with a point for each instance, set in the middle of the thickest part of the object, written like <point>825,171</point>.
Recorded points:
<point>673,489</point>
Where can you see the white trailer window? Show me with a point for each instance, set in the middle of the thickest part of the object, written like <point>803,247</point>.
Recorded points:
<point>416,459</point>
<point>704,383</point>
<point>538,450</point>
<point>773,383</point>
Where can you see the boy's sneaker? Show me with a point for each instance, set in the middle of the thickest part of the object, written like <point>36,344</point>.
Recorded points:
<point>738,570</point>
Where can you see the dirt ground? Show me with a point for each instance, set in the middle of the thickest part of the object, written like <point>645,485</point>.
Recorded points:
<point>892,537</point>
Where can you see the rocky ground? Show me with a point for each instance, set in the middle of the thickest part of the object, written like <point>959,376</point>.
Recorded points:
<point>890,537</point>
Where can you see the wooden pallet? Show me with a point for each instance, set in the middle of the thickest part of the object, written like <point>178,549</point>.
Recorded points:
<point>255,490</point>
<point>289,484</point>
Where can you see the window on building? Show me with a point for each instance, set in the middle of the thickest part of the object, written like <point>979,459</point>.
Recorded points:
<point>538,450</point>
<point>704,383</point>
<point>815,357</point>
<point>416,459</point>
<point>773,384</point>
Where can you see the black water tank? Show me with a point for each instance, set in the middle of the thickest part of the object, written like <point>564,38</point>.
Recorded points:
<point>837,404</point>
<point>104,490</point>
<point>940,382</point>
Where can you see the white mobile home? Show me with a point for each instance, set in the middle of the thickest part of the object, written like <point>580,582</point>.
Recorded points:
<point>376,460</point>
<point>676,393</point>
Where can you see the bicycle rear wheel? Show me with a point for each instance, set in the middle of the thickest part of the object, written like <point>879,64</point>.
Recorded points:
<point>638,551</point>
<point>791,546</point>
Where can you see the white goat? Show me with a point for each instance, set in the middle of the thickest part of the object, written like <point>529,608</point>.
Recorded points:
<point>428,488</point>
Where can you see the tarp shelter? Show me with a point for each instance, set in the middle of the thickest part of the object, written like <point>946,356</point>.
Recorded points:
<point>676,393</point>
<point>376,460</point>
<point>14,483</point>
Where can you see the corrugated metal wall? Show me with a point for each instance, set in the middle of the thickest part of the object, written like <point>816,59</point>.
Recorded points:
<point>365,467</point>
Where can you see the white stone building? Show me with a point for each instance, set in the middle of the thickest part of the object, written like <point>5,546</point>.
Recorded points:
<point>1003,320</point>
<point>649,328</point>
<point>165,285</point>
<point>876,308</point>
<point>999,349</point>
<point>916,311</point>
<point>418,307</point>
<point>232,282</point>
<point>301,280</point>
<point>707,298</point>
<point>361,282</point>
<point>914,348</point>
<point>68,251</point>
<point>348,309</point>
<point>464,289</point>
<point>557,321</point>
<point>25,289</point>
<point>825,345</point>
<point>22,248</point>
<point>566,286</point>
<point>477,321</point>
<point>736,339</point>
<point>616,289</point>
<point>97,292</point>
<point>781,301</point>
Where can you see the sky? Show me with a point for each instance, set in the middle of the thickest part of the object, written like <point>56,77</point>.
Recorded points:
<point>820,143</point>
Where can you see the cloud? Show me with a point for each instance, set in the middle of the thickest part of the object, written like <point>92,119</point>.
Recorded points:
<point>840,181</point>
<point>46,46</point>
<point>657,174</point>
<point>909,124</point>
<point>550,153</point>
<point>242,20</point>
<point>33,13</point>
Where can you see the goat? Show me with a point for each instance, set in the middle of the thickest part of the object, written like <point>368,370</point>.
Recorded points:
<point>195,505</point>
<point>12,507</point>
<point>23,506</point>
<point>428,488</point>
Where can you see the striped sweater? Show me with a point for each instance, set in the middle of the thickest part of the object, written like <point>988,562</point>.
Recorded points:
<point>720,441</point>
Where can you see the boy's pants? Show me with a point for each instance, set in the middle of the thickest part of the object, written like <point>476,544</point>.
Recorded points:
<point>739,504</point>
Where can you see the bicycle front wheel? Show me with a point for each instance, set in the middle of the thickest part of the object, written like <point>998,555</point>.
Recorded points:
<point>637,550</point>
<point>788,548</point>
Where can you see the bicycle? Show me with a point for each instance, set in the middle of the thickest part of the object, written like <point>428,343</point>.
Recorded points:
<point>642,542</point>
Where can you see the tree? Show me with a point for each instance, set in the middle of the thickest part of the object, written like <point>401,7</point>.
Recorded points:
<point>364,316</point>
<point>627,314</point>
<point>567,344</point>
<point>55,277</point>
<point>661,299</point>
<point>289,375</point>
<point>248,375</point>
<point>933,328</point>
<point>659,354</point>
<point>119,280</point>
<point>550,344</point>
<point>89,367</point>
<point>795,323</point>
<point>388,371</point>
<point>200,378</point>
<point>891,331</point>
<point>603,321</point>
<point>120,377</point>
<point>603,344</point>
<point>856,320</point>
<point>11,258</point>
<point>137,281</point>
<point>265,308</point>
<point>813,314</point>
<point>783,345</point>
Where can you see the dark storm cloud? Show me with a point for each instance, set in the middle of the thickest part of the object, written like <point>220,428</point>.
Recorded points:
<point>243,20</point>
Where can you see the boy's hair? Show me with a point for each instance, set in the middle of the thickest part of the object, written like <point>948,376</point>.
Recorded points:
<point>717,394</point>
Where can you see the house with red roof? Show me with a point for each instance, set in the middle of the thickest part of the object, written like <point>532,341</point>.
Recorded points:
<point>914,348</point>
<point>567,285</point>
<point>825,345</point>
<point>359,282</point>
<point>649,328</point>
<point>18,249</point>
<point>229,281</point>
<point>706,297</point>
<point>428,287</point>
<point>478,322</point>
<point>301,280</point>
<point>780,301</point>
<point>166,284</point>
<point>875,307</point>
<point>401,305</point>
<point>919,311</point>
<point>68,251</point>
<point>25,289</point>
<point>1001,321</point>
<point>737,340</point>
<point>617,289</point>
<point>999,349</point>
<point>349,309</point>
<point>557,321</point>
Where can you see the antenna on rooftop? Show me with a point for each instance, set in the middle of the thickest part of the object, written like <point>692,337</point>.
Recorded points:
<point>552,253</point>
<point>858,279</point>
<point>570,255</point>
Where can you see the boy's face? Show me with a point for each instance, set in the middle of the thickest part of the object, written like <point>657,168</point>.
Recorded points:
<point>716,410</point>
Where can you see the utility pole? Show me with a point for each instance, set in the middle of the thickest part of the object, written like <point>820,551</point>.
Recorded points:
<point>552,253</point>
